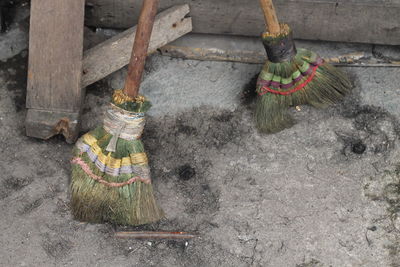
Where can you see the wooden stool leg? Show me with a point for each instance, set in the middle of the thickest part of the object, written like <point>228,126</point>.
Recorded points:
<point>54,93</point>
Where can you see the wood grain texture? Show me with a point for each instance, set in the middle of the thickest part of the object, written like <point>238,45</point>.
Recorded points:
<point>270,16</point>
<point>55,55</point>
<point>250,50</point>
<point>365,21</point>
<point>140,46</point>
<point>113,54</point>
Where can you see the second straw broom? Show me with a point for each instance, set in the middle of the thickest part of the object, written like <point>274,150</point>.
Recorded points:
<point>292,77</point>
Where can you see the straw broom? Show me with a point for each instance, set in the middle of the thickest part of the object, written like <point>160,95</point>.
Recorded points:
<point>292,77</point>
<point>110,172</point>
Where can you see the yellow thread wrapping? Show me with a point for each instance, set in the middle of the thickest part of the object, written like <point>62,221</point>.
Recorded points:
<point>96,149</point>
<point>89,139</point>
<point>107,160</point>
<point>102,158</point>
<point>114,163</point>
<point>119,97</point>
<point>140,158</point>
<point>126,161</point>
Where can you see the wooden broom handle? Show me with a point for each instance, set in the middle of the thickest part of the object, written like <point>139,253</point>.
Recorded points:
<point>140,46</point>
<point>270,16</point>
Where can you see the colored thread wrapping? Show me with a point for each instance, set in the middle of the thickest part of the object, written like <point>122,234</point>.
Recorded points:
<point>89,172</point>
<point>135,163</point>
<point>122,124</point>
<point>266,89</point>
<point>95,150</point>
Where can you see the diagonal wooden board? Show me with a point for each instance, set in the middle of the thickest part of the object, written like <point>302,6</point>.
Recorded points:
<point>53,107</point>
<point>115,52</point>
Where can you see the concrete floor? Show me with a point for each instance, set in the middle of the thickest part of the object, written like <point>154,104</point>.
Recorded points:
<point>302,197</point>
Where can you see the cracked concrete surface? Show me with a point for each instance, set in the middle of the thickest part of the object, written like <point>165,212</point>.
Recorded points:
<point>323,193</point>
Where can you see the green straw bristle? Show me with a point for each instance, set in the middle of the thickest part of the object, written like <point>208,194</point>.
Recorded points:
<point>271,114</point>
<point>91,201</point>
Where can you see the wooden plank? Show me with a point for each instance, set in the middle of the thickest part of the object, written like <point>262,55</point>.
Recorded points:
<point>113,54</point>
<point>365,21</point>
<point>55,62</point>
<point>55,55</point>
<point>250,50</point>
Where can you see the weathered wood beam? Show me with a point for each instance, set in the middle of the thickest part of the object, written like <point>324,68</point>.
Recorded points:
<point>217,48</point>
<point>250,50</point>
<point>55,68</point>
<point>113,54</point>
<point>365,21</point>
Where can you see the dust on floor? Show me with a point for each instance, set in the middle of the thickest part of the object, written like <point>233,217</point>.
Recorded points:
<point>323,193</point>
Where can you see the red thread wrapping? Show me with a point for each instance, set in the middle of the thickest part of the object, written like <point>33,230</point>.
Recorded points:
<point>266,89</point>
<point>89,172</point>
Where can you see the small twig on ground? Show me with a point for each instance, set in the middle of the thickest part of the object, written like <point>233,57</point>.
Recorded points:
<point>155,235</point>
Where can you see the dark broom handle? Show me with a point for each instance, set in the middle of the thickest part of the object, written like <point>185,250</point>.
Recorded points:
<point>140,46</point>
<point>270,16</point>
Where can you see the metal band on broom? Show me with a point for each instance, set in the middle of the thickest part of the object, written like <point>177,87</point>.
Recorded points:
<point>110,172</point>
<point>292,77</point>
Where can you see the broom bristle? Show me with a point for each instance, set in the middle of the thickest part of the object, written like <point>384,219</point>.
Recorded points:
<point>305,79</point>
<point>272,115</point>
<point>112,186</point>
